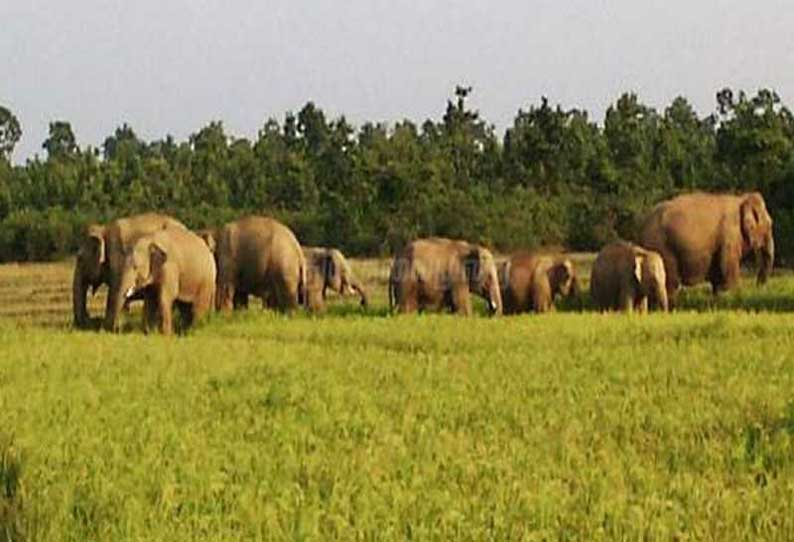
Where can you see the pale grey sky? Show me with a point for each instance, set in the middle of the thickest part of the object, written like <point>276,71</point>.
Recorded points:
<point>171,66</point>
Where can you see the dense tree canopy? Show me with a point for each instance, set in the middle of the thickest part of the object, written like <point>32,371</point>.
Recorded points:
<point>555,178</point>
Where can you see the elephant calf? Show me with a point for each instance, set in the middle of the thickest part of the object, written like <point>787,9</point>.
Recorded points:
<point>530,282</point>
<point>328,268</point>
<point>440,273</point>
<point>171,266</point>
<point>625,277</point>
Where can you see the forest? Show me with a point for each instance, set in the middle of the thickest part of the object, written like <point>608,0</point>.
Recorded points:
<point>555,178</point>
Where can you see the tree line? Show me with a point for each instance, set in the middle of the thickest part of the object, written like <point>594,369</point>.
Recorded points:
<point>556,177</point>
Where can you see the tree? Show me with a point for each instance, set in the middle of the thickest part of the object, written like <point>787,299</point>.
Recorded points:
<point>10,133</point>
<point>755,137</point>
<point>550,147</point>
<point>124,141</point>
<point>686,146</point>
<point>61,141</point>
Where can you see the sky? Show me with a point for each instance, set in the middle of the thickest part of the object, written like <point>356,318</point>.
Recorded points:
<point>172,66</point>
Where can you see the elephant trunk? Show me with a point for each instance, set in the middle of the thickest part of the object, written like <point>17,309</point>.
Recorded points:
<point>362,293</point>
<point>495,295</point>
<point>661,297</point>
<point>766,259</point>
<point>119,288</point>
<point>79,292</point>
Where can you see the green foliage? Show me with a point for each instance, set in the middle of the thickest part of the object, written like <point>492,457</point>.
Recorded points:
<point>556,178</point>
<point>10,132</point>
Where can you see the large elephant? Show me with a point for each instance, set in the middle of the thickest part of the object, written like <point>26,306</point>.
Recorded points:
<point>328,268</point>
<point>439,273</point>
<point>530,282</point>
<point>100,260</point>
<point>706,236</point>
<point>627,277</point>
<point>259,256</point>
<point>172,266</point>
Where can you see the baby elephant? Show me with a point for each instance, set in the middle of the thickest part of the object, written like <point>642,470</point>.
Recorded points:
<point>531,281</point>
<point>171,266</point>
<point>626,276</point>
<point>327,268</point>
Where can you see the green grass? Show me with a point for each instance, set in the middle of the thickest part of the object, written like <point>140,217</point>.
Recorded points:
<point>352,426</point>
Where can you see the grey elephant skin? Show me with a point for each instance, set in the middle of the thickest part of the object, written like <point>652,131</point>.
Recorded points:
<point>100,261</point>
<point>530,282</point>
<point>704,237</point>
<point>626,277</point>
<point>260,256</point>
<point>439,273</point>
<point>327,268</point>
<point>171,266</point>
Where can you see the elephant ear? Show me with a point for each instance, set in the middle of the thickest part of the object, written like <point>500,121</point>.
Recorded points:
<point>472,264</point>
<point>330,271</point>
<point>94,246</point>
<point>560,275</point>
<point>749,214</point>
<point>157,258</point>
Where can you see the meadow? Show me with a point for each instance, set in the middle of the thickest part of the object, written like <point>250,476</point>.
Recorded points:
<point>365,426</point>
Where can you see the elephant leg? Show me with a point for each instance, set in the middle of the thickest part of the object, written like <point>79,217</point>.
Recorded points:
<point>150,312</point>
<point>186,314</point>
<point>626,298</point>
<point>729,271</point>
<point>79,301</point>
<point>240,300</point>
<point>289,293</point>
<point>316,302</point>
<point>113,307</point>
<point>641,304</point>
<point>166,306</point>
<point>407,297</point>
<point>203,304</point>
<point>225,297</point>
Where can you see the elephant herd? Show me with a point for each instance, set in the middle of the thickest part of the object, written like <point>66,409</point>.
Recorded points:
<point>151,257</point>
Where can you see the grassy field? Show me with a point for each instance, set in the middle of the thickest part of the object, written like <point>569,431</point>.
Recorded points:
<point>350,426</point>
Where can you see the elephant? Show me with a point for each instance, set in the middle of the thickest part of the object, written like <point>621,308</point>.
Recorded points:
<point>627,277</point>
<point>530,282</point>
<point>100,260</point>
<point>328,268</point>
<point>436,273</point>
<point>172,265</point>
<point>703,236</point>
<point>257,255</point>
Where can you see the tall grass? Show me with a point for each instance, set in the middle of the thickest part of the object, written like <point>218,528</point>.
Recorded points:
<point>367,426</point>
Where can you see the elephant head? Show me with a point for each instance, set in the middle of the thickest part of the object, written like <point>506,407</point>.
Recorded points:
<point>651,278</point>
<point>756,226</point>
<point>562,278</point>
<point>339,276</point>
<point>90,270</point>
<point>142,266</point>
<point>483,278</point>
